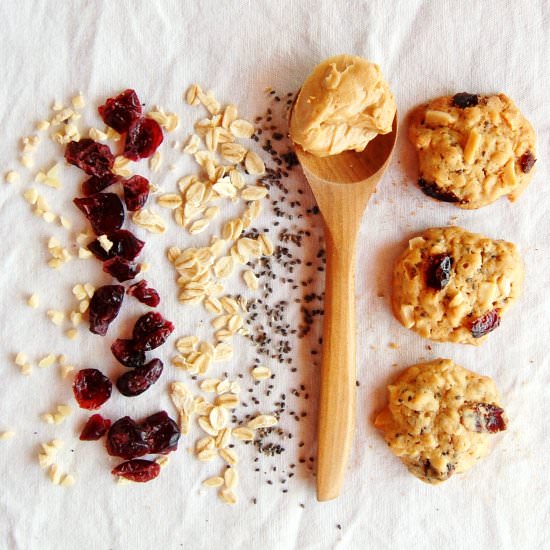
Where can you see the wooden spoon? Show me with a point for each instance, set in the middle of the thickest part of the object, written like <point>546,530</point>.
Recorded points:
<point>342,185</point>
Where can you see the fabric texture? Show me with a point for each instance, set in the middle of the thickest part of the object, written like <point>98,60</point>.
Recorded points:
<point>51,50</point>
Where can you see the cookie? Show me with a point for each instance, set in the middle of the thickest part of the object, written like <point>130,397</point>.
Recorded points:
<point>472,149</point>
<point>440,418</point>
<point>451,285</point>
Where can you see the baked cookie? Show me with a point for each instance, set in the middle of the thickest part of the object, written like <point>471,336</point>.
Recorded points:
<point>439,419</point>
<point>472,149</point>
<point>451,285</point>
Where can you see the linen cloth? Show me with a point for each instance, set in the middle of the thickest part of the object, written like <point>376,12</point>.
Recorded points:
<point>51,50</point>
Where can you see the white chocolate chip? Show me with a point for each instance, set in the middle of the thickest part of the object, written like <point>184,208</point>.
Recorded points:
<point>12,176</point>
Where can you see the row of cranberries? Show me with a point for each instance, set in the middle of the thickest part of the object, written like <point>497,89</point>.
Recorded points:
<point>157,433</point>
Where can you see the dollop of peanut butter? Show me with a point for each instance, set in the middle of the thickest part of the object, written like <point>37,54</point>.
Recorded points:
<point>343,104</point>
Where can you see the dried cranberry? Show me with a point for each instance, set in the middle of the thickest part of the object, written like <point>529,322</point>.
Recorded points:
<point>439,269</point>
<point>139,470</point>
<point>96,184</point>
<point>465,99</point>
<point>95,428</point>
<point>161,433</point>
<point>483,417</point>
<point>433,190</point>
<point>485,324</point>
<point>104,307</point>
<point>140,379</point>
<point>432,473</point>
<point>91,388</point>
<point>121,269</point>
<point>143,137</point>
<point>94,158</point>
<point>126,439</point>
<point>145,294</point>
<point>151,331</point>
<point>125,353</point>
<point>125,245</point>
<point>526,162</point>
<point>136,192</point>
<point>156,434</point>
<point>104,211</point>
<point>120,111</point>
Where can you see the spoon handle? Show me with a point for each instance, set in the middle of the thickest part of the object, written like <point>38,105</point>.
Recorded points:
<point>337,397</point>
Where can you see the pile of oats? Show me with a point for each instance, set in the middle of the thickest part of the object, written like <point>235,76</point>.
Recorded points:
<point>224,165</point>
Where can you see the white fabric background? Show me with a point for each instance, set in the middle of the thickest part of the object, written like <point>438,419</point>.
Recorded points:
<point>52,49</point>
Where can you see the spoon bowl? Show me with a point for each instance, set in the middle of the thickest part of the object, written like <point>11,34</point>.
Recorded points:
<point>350,166</point>
<point>342,185</point>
